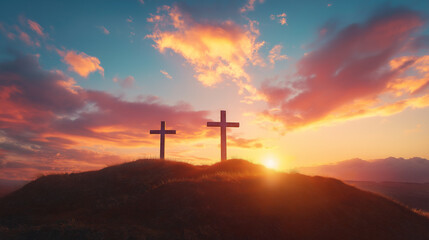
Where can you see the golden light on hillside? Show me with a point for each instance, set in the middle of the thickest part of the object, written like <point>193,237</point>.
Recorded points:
<point>271,163</point>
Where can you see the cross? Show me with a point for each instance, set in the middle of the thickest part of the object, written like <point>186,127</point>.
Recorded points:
<point>162,132</point>
<point>223,125</point>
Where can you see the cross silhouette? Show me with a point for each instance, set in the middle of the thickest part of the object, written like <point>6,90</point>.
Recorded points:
<point>162,132</point>
<point>223,125</point>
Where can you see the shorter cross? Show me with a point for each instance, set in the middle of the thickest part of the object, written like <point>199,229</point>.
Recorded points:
<point>223,125</point>
<point>162,132</point>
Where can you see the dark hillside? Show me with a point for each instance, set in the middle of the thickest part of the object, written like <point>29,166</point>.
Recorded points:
<point>153,199</point>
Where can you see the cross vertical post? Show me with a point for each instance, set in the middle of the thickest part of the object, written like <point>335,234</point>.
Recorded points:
<point>162,133</point>
<point>223,124</point>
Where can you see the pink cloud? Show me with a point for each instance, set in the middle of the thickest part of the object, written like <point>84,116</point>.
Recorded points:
<point>346,77</point>
<point>105,30</point>
<point>36,27</point>
<point>26,38</point>
<point>166,74</point>
<point>81,63</point>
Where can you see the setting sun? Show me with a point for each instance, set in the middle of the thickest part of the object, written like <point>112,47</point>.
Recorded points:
<point>271,163</point>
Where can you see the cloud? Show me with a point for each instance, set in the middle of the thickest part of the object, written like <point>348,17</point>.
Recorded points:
<point>104,29</point>
<point>249,6</point>
<point>216,50</point>
<point>166,74</point>
<point>244,143</point>
<point>15,32</point>
<point>49,124</point>
<point>355,73</point>
<point>275,54</point>
<point>81,63</point>
<point>380,170</point>
<point>281,18</point>
<point>126,82</point>
<point>26,38</point>
<point>36,27</point>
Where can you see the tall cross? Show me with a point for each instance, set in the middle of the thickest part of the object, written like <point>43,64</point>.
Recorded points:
<point>162,132</point>
<point>223,125</point>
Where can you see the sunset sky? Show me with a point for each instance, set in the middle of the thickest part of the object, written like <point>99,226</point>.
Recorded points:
<point>311,82</point>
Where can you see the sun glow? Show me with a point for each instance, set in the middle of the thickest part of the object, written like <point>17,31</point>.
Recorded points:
<point>271,163</point>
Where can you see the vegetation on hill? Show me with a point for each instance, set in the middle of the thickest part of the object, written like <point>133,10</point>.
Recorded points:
<point>154,199</point>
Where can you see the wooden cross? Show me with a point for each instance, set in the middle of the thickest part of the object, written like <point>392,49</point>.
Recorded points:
<point>162,132</point>
<point>223,125</point>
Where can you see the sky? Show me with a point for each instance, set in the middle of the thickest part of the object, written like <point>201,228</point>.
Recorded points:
<point>311,82</point>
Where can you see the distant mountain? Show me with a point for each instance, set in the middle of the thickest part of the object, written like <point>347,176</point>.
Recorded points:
<point>381,170</point>
<point>234,199</point>
<point>8,186</point>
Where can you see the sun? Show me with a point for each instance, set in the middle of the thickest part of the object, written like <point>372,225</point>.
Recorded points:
<point>270,163</point>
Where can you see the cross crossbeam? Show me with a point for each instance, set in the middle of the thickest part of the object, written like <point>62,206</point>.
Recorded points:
<point>223,124</point>
<point>162,133</point>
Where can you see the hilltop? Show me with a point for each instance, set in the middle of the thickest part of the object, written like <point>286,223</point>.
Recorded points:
<point>235,199</point>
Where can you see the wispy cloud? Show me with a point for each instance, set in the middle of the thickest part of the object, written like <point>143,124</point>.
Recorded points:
<point>125,82</point>
<point>104,29</point>
<point>249,6</point>
<point>281,18</point>
<point>244,142</point>
<point>36,27</point>
<point>275,54</point>
<point>166,74</point>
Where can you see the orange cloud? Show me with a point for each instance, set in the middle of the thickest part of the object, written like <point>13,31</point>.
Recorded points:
<point>81,63</point>
<point>217,51</point>
<point>244,143</point>
<point>410,83</point>
<point>36,27</point>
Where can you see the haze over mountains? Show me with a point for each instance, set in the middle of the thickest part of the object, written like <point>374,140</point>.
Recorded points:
<point>381,170</point>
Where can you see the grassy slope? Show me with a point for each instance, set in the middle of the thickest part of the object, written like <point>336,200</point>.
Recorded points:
<point>414,195</point>
<point>152,199</point>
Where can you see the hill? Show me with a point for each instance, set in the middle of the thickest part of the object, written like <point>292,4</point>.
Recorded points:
<point>380,170</point>
<point>414,195</point>
<point>153,199</point>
